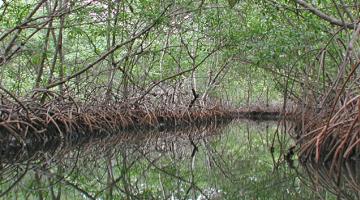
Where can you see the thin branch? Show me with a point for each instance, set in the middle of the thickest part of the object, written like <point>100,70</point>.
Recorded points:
<point>324,16</point>
<point>107,53</point>
<point>176,75</point>
<point>16,99</point>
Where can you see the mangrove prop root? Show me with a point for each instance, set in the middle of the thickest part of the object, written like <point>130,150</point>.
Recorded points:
<point>337,139</point>
<point>61,118</point>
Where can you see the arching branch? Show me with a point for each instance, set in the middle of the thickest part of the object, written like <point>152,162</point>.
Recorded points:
<point>324,16</point>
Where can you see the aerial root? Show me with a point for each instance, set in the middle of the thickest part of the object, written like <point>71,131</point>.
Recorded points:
<point>59,119</point>
<point>335,138</point>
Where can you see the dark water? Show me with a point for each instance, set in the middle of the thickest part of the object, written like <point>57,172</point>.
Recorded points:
<point>240,160</point>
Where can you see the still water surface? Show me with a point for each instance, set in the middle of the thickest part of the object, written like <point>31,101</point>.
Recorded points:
<point>237,160</point>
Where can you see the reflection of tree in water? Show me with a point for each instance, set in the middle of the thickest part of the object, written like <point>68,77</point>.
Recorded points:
<point>109,167</point>
<point>242,160</point>
<point>341,181</point>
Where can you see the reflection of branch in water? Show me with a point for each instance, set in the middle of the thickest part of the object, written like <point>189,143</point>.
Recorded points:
<point>215,157</point>
<point>114,182</point>
<point>35,149</point>
<point>343,181</point>
<point>104,167</point>
<point>281,136</point>
<point>192,184</point>
<point>50,175</point>
<point>16,181</point>
<point>52,185</point>
<point>110,173</point>
<point>192,167</point>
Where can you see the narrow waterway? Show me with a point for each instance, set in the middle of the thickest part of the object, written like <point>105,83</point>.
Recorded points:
<point>236,160</point>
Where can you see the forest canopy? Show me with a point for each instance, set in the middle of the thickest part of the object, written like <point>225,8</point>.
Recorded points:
<point>129,50</point>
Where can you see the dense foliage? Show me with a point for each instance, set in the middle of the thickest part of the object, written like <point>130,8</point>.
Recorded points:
<point>235,50</point>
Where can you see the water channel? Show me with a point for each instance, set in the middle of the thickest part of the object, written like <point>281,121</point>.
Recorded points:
<point>233,160</point>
